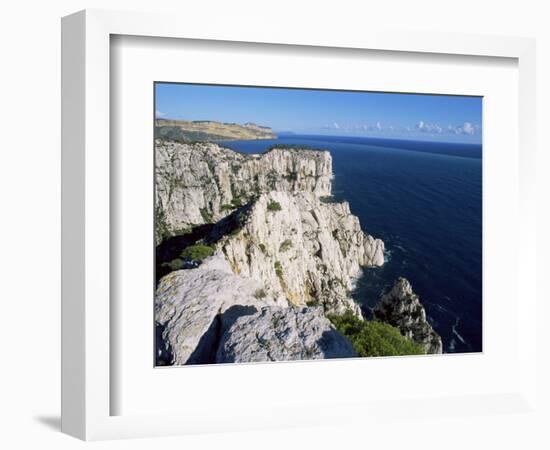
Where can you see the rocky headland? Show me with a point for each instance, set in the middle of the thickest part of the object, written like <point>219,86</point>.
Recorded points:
<point>254,256</point>
<point>209,130</point>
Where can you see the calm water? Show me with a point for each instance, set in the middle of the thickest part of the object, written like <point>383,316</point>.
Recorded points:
<point>424,200</point>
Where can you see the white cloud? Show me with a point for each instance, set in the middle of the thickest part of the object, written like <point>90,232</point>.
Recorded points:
<point>159,113</point>
<point>468,128</point>
<point>433,129</point>
<point>428,127</point>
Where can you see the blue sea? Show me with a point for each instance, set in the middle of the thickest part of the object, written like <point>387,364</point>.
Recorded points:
<point>424,199</point>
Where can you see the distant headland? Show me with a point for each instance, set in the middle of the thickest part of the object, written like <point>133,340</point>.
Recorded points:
<point>208,130</point>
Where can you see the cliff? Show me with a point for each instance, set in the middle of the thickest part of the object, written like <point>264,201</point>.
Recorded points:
<point>208,130</point>
<point>209,315</point>
<point>262,255</point>
<point>303,250</point>
<point>203,182</point>
<point>401,307</point>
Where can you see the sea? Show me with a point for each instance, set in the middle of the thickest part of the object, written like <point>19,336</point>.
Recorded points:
<point>424,200</point>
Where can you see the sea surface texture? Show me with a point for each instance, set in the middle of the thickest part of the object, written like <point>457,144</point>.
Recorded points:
<point>424,199</point>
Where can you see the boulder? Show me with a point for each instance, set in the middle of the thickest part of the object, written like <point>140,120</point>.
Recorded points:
<point>282,334</point>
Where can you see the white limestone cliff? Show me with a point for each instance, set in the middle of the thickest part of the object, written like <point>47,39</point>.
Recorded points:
<point>203,182</point>
<point>280,243</point>
<point>307,252</point>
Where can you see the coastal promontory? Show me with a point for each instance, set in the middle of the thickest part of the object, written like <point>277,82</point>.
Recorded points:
<point>255,256</point>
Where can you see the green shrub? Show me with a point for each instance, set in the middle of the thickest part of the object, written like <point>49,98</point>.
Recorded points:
<point>237,202</point>
<point>278,269</point>
<point>175,264</point>
<point>226,207</point>
<point>285,245</point>
<point>373,338</point>
<point>291,176</point>
<point>197,252</point>
<point>259,294</point>
<point>182,231</point>
<point>294,147</point>
<point>273,206</point>
<point>262,248</point>
<point>327,199</point>
<point>207,216</point>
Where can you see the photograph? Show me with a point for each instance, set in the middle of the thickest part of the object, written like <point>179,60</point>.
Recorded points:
<point>295,224</point>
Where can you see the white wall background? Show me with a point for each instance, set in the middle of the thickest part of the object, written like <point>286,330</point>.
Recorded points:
<point>30,188</point>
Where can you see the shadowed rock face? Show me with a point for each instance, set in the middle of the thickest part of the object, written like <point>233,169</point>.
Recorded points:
<point>401,308</point>
<point>282,334</point>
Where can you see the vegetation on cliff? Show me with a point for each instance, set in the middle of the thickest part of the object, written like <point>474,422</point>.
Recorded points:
<point>373,338</point>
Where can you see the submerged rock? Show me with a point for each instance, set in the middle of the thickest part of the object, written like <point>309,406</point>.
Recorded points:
<point>282,334</point>
<point>401,308</point>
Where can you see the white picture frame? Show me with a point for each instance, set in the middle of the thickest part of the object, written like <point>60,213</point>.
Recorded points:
<point>87,325</point>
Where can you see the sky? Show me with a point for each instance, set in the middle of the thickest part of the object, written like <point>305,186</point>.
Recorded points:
<point>338,113</point>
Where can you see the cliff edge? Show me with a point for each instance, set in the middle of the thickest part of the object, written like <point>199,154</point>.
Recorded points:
<point>253,255</point>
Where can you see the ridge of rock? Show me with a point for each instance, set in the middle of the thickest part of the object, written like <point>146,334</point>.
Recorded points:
<point>189,305</point>
<point>203,182</point>
<point>282,334</point>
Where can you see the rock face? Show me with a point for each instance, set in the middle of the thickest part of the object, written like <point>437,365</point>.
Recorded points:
<point>302,247</point>
<point>203,182</point>
<point>401,308</point>
<point>305,251</point>
<point>189,305</point>
<point>283,251</point>
<point>209,314</point>
<point>282,334</point>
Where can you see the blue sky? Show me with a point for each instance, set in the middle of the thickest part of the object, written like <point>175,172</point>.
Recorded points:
<point>339,113</point>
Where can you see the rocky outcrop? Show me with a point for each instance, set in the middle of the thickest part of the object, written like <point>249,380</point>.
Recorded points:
<point>304,251</point>
<point>209,314</point>
<point>189,305</point>
<point>283,248</point>
<point>303,247</point>
<point>401,308</point>
<point>282,334</point>
<point>203,182</point>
